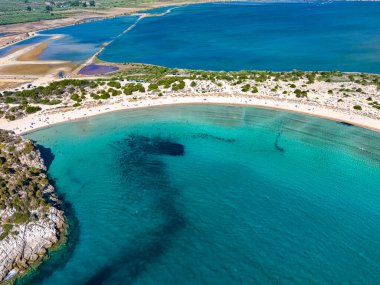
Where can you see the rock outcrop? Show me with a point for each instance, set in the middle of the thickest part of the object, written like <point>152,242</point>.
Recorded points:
<point>31,219</point>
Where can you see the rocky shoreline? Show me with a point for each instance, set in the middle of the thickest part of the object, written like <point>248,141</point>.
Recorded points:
<point>31,218</point>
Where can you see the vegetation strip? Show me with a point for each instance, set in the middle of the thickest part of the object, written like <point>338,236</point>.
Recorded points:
<point>357,92</point>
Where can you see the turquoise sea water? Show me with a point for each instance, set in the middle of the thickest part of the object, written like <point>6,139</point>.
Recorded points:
<point>203,194</point>
<point>341,36</point>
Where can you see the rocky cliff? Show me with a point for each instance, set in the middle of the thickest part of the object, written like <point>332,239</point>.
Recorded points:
<point>31,219</point>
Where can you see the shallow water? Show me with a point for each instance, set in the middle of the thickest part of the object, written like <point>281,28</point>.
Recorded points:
<point>34,40</point>
<point>202,194</point>
<point>341,36</point>
<point>80,42</point>
<point>96,69</point>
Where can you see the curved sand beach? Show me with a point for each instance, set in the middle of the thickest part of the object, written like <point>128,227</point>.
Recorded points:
<point>51,117</point>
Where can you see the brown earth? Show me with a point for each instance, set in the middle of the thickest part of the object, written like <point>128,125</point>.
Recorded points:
<point>9,83</point>
<point>35,69</point>
<point>34,53</point>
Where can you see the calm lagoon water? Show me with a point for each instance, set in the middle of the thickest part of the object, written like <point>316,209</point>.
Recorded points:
<point>341,36</point>
<point>202,194</point>
<point>263,36</point>
<point>6,50</point>
<point>159,10</point>
<point>80,42</point>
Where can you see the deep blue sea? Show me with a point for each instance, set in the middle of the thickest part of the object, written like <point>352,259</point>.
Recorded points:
<point>202,194</point>
<point>341,36</point>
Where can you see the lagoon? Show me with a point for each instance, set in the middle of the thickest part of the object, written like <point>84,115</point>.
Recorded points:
<point>204,194</point>
<point>30,41</point>
<point>342,36</point>
<point>80,42</point>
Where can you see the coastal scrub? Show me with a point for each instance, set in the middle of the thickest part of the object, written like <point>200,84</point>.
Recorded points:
<point>31,218</point>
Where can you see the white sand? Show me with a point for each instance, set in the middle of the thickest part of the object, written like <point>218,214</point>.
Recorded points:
<point>50,117</point>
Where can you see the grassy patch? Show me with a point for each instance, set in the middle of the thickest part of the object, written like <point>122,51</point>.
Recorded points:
<point>20,217</point>
<point>6,230</point>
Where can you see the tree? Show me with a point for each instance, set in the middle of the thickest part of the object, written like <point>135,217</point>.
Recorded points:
<point>29,8</point>
<point>92,3</point>
<point>74,3</point>
<point>49,8</point>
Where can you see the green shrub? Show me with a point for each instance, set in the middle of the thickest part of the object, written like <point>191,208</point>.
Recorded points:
<point>9,100</point>
<point>246,88</point>
<point>28,148</point>
<point>95,96</point>
<point>310,77</point>
<point>20,217</point>
<point>114,92</point>
<point>114,84</point>
<point>133,87</point>
<point>178,86</point>
<point>299,93</point>
<point>104,96</point>
<point>32,109</point>
<point>167,81</point>
<point>75,97</point>
<point>357,107</point>
<point>6,230</point>
<point>153,87</point>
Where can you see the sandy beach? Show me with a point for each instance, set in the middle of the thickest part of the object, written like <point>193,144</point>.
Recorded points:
<point>51,117</point>
<point>331,100</point>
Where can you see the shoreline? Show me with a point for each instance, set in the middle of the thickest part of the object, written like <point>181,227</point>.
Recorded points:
<point>40,226</point>
<point>48,118</point>
<point>33,266</point>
